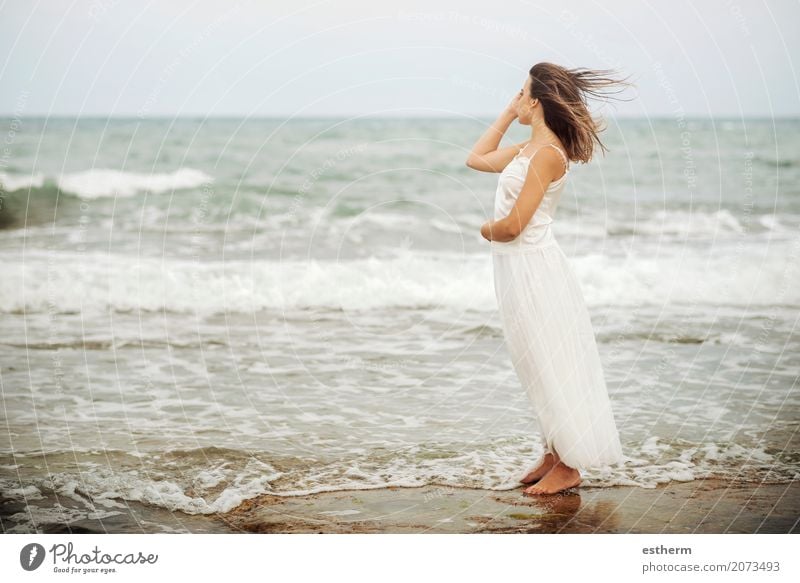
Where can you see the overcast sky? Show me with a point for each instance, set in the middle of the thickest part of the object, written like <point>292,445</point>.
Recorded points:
<point>353,57</point>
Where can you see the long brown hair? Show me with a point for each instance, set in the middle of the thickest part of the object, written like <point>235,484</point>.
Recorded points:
<point>563,94</point>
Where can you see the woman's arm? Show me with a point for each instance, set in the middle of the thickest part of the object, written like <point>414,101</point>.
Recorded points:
<point>541,172</point>
<point>485,155</point>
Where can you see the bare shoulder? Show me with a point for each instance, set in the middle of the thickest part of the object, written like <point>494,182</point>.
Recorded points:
<point>546,165</point>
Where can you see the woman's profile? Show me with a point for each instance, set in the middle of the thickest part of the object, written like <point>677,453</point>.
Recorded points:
<point>545,321</point>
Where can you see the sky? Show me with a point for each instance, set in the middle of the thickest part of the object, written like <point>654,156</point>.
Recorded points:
<point>441,58</point>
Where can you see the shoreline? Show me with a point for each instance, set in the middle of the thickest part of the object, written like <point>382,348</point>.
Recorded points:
<point>698,506</point>
<point>702,506</point>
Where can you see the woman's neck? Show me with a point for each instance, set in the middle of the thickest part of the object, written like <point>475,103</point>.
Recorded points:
<point>540,133</point>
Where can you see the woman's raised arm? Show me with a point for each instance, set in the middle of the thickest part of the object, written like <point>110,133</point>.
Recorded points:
<point>485,154</point>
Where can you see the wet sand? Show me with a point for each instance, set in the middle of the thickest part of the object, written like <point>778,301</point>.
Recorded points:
<point>700,506</point>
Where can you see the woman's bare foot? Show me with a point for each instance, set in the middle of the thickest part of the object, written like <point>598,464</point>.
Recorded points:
<point>560,477</point>
<point>537,472</point>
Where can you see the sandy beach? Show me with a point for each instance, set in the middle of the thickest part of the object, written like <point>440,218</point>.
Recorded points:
<point>699,506</point>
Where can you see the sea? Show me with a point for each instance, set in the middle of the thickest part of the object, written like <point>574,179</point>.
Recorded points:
<point>195,312</point>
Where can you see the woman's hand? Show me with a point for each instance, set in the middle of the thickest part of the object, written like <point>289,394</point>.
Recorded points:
<point>511,108</point>
<point>490,140</point>
<point>486,230</point>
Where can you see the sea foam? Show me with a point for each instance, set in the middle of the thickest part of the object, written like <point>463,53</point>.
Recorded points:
<point>102,182</point>
<point>12,182</point>
<point>74,281</point>
<point>98,182</point>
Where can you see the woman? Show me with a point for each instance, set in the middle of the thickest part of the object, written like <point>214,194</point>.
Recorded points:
<point>546,325</point>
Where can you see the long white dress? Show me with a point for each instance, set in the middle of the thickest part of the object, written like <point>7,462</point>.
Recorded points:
<point>548,331</point>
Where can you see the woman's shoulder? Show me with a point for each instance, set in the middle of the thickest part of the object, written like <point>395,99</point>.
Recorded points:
<point>548,157</point>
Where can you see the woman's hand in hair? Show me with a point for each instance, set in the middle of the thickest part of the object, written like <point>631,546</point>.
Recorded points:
<point>511,108</point>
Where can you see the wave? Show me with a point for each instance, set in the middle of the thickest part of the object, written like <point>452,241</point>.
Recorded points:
<point>13,182</point>
<point>103,182</point>
<point>33,199</point>
<point>75,282</point>
<point>210,480</point>
<point>697,224</point>
<point>97,183</point>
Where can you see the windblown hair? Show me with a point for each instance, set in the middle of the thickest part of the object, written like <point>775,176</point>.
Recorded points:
<point>563,94</point>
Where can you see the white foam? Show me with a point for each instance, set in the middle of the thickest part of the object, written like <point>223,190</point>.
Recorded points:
<point>29,492</point>
<point>104,487</point>
<point>494,465</point>
<point>97,281</point>
<point>12,182</point>
<point>99,182</point>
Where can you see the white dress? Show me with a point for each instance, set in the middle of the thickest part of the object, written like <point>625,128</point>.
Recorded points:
<point>548,331</point>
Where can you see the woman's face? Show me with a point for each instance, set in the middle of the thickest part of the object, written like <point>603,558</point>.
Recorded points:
<point>524,107</point>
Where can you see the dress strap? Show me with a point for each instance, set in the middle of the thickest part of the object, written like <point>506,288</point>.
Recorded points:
<point>563,155</point>
<point>559,150</point>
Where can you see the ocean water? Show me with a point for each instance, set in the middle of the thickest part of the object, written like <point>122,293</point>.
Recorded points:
<point>195,311</point>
